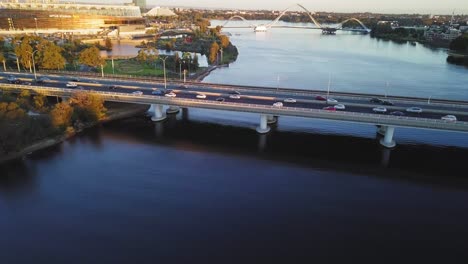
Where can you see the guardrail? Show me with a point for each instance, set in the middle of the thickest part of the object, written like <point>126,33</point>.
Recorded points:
<point>402,121</point>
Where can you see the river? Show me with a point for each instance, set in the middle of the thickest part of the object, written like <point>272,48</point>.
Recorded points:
<point>204,187</point>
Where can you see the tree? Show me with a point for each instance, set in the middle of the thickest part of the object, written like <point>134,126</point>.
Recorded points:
<point>3,60</point>
<point>460,44</point>
<point>40,102</point>
<point>224,41</point>
<point>24,99</point>
<point>195,64</point>
<point>89,107</point>
<point>11,111</point>
<point>148,55</point>
<point>108,44</point>
<point>91,57</point>
<point>214,49</point>
<point>61,115</point>
<point>23,51</point>
<point>52,57</point>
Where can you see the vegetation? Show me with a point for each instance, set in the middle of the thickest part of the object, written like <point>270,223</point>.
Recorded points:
<point>459,48</point>
<point>91,57</point>
<point>385,31</point>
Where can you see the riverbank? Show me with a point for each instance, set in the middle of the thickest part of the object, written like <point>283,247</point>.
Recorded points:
<point>116,111</point>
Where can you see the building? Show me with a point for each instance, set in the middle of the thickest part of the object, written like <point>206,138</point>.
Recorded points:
<point>160,12</point>
<point>140,3</point>
<point>50,14</point>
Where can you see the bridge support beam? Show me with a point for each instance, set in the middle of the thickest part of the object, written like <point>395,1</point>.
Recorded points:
<point>388,141</point>
<point>271,119</point>
<point>173,109</point>
<point>263,128</point>
<point>381,130</point>
<point>159,114</point>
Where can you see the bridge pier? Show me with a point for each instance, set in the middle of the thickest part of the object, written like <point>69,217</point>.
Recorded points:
<point>381,130</point>
<point>159,114</point>
<point>388,141</point>
<point>271,119</point>
<point>263,128</point>
<point>173,109</point>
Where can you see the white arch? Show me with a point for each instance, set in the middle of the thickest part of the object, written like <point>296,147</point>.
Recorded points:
<point>239,17</point>
<point>340,26</point>
<point>269,25</point>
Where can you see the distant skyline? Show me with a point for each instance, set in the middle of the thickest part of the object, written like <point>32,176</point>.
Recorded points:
<point>379,6</point>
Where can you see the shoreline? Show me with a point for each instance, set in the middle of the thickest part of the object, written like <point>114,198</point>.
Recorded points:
<point>116,114</point>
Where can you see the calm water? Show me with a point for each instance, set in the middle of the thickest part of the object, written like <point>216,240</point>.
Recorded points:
<point>204,187</point>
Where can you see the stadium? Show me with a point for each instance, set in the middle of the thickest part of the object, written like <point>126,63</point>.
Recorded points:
<point>16,15</point>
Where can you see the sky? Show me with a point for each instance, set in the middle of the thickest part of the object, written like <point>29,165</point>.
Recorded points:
<point>376,6</point>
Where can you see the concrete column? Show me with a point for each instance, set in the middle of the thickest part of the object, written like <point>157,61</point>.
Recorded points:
<point>388,141</point>
<point>173,109</point>
<point>271,119</point>
<point>381,130</point>
<point>263,128</point>
<point>159,114</point>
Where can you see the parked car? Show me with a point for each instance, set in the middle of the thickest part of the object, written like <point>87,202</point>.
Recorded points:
<point>234,96</point>
<point>320,98</point>
<point>379,109</point>
<point>137,93</point>
<point>220,99</point>
<point>397,113</point>
<point>171,94</point>
<point>417,110</point>
<point>450,118</point>
<point>289,100</point>
<point>71,84</point>
<point>340,107</point>
<point>278,104</point>
<point>376,100</point>
<point>201,96</point>
<point>329,108</point>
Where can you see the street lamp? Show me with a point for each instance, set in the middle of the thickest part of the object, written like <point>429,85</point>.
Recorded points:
<point>34,64</point>
<point>35,20</point>
<point>164,70</point>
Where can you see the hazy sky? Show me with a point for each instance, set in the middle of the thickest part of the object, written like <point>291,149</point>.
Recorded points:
<point>383,6</point>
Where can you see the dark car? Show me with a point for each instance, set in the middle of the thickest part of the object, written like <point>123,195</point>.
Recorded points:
<point>376,100</point>
<point>113,87</point>
<point>387,103</point>
<point>235,92</point>
<point>157,92</point>
<point>74,79</point>
<point>397,113</point>
<point>220,99</point>
<point>320,98</point>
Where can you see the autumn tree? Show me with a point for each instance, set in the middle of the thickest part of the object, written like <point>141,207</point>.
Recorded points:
<point>24,99</point>
<point>91,57</point>
<point>108,44</point>
<point>51,57</point>
<point>23,51</point>
<point>224,41</point>
<point>3,60</point>
<point>61,115</point>
<point>11,111</point>
<point>88,107</point>
<point>214,49</point>
<point>40,102</point>
<point>148,55</point>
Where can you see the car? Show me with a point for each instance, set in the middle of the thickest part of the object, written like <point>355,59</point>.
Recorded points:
<point>183,87</point>
<point>329,108</point>
<point>220,99</point>
<point>450,118</point>
<point>171,94</point>
<point>71,84</point>
<point>397,113</point>
<point>157,92</point>
<point>278,104</point>
<point>11,79</point>
<point>42,80</point>
<point>387,103</point>
<point>380,109</point>
<point>376,100</point>
<point>74,79</point>
<point>417,110</point>
<point>112,87</point>
<point>320,98</point>
<point>137,93</point>
<point>331,100</point>
<point>289,100</point>
<point>234,96</point>
<point>340,107</point>
<point>201,96</point>
<point>235,92</point>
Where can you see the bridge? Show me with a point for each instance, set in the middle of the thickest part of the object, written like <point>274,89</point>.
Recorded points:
<point>325,29</point>
<point>260,100</point>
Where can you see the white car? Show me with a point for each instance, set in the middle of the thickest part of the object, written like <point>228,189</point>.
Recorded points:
<point>171,94</point>
<point>450,118</point>
<point>340,107</point>
<point>201,96</point>
<point>331,100</point>
<point>414,110</point>
<point>278,104</point>
<point>289,100</point>
<point>234,96</point>
<point>137,93</point>
<point>380,109</point>
<point>71,84</point>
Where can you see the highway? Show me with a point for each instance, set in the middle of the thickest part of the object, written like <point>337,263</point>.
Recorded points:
<point>259,95</point>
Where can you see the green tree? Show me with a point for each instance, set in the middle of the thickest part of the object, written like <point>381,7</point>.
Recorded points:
<point>148,55</point>
<point>460,44</point>
<point>24,99</point>
<point>61,115</point>
<point>91,57</point>
<point>52,57</point>
<point>214,49</point>
<point>40,103</point>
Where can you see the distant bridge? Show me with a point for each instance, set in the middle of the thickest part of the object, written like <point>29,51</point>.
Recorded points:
<point>325,29</point>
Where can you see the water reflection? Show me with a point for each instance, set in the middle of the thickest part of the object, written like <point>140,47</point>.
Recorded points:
<point>16,178</point>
